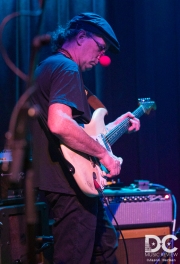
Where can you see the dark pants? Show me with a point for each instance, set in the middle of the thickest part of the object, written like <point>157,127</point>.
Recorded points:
<point>82,231</point>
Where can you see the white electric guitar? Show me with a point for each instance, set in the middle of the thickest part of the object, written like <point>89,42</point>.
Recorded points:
<point>87,170</point>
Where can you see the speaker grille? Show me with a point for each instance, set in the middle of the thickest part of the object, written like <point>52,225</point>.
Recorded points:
<point>141,212</point>
<point>140,207</point>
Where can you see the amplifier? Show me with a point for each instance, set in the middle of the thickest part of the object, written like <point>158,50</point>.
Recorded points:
<point>13,236</point>
<point>139,207</point>
<point>9,191</point>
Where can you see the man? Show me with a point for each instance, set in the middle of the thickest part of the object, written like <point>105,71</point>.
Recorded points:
<point>82,232</point>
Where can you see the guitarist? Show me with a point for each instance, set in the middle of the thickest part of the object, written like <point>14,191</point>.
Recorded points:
<point>82,232</point>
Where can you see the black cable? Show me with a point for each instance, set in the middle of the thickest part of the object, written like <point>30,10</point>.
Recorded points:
<point>157,186</point>
<point>173,228</point>
<point>123,239</point>
<point>44,247</point>
<point>171,243</point>
<point>100,191</point>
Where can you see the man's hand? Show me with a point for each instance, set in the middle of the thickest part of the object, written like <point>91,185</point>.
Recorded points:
<point>134,122</point>
<point>112,163</point>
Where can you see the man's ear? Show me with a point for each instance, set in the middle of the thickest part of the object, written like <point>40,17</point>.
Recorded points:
<point>80,37</point>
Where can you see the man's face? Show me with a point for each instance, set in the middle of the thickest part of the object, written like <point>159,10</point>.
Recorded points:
<point>92,49</point>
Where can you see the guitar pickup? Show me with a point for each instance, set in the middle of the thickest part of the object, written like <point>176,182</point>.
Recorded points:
<point>93,161</point>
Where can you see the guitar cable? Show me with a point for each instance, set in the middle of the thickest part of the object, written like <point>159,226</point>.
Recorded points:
<point>176,233</point>
<point>105,201</point>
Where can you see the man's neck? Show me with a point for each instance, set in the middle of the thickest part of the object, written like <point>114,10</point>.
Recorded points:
<point>69,51</point>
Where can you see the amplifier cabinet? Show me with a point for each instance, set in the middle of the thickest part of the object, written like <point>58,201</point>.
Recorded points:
<point>139,213</point>
<point>13,237</point>
<point>135,244</point>
<point>136,207</point>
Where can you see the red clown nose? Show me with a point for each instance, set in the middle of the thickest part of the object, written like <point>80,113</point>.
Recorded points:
<point>104,60</point>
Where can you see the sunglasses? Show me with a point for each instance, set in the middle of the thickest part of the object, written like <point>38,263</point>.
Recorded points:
<point>100,46</point>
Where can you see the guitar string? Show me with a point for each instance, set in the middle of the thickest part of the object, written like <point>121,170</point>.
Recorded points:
<point>137,113</point>
<point>123,126</point>
<point>111,137</point>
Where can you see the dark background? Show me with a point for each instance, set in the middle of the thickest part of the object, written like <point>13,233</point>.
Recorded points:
<point>147,66</point>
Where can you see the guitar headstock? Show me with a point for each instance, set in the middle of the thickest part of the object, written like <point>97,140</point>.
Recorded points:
<point>147,104</point>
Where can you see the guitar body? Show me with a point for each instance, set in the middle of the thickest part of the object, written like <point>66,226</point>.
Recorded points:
<point>85,168</point>
<point>88,170</point>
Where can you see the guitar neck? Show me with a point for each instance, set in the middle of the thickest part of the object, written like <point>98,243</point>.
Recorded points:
<point>112,136</point>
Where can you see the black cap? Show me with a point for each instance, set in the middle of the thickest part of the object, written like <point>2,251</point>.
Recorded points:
<point>97,25</point>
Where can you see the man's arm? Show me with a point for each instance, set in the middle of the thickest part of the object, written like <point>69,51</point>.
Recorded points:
<point>61,123</point>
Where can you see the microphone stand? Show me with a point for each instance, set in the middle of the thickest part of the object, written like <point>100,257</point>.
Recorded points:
<point>16,141</point>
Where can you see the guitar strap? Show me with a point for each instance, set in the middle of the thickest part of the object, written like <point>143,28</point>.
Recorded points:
<point>93,101</point>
